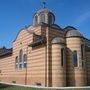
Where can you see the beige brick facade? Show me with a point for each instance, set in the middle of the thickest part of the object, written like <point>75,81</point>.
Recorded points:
<point>50,59</point>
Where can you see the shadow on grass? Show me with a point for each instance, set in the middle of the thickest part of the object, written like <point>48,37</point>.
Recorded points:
<point>3,86</point>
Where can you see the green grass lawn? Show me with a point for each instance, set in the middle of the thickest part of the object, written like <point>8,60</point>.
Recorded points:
<point>12,87</point>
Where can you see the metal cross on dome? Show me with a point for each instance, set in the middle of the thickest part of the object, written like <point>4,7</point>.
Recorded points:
<point>44,4</point>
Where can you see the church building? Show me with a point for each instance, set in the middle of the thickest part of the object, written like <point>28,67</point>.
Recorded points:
<point>45,54</point>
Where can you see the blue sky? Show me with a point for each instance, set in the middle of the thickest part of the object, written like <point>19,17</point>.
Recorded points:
<point>16,14</point>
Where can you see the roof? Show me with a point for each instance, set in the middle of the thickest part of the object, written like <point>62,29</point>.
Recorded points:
<point>4,51</point>
<point>43,10</point>
<point>56,26</point>
<point>37,40</point>
<point>58,40</point>
<point>70,28</point>
<point>73,33</point>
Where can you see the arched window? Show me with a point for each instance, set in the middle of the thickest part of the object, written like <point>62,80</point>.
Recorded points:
<point>35,20</point>
<point>62,56</point>
<point>20,58</point>
<point>50,19</point>
<point>42,18</point>
<point>21,61</point>
<point>20,55</point>
<point>16,62</point>
<point>24,60</point>
<point>74,58</point>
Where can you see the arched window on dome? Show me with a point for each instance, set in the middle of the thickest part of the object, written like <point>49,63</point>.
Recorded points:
<point>36,20</point>
<point>50,19</point>
<point>42,18</point>
<point>74,58</point>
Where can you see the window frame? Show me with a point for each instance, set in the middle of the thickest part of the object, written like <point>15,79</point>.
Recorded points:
<point>16,62</point>
<point>21,56</point>
<point>42,18</point>
<point>82,54</point>
<point>75,58</point>
<point>51,19</point>
<point>21,60</point>
<point>24,61</point>
<point>63,56</point>
<point>36,20</point>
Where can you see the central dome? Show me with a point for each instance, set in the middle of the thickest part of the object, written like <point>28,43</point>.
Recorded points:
<point>43,16</point>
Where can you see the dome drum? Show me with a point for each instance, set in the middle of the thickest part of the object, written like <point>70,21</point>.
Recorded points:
<point>44,16</point>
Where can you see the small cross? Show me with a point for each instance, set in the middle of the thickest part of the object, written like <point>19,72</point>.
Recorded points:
<point>44,4</point>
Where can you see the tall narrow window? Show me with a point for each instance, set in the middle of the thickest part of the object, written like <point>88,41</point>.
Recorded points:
<point>42,18</point>
<point>24,60</point>
<point>16,62</point>
<point>20,58</point>
<point>82,53</point>
<point>74,58</point>
<point>62,56</point>
<point>20,55</point>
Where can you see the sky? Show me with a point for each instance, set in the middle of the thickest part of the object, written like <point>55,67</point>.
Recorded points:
<point>16,14</point>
